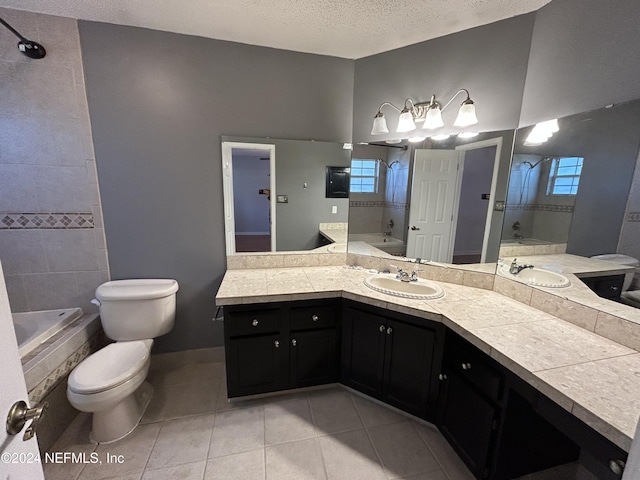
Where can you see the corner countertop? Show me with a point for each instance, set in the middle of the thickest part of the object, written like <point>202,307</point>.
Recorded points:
<point>574,264</point>
<point>335,232</point>
<point>596,379</point>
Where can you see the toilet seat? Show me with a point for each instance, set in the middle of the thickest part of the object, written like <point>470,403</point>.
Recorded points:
<point>109,367</point>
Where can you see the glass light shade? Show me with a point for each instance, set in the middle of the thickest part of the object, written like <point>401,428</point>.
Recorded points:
<point>549,126</point>
<point>379,125</point>
<point>466,115</point>
<point>433,119</point>
<point>537,137</point>
<point>405,122</point>
<point>417,139</point>
<point>467,134</point>
<point>442,136</point>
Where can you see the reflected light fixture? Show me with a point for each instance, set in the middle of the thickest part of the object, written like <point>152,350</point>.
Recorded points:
<point>541,132</point>
<point>430,113</point>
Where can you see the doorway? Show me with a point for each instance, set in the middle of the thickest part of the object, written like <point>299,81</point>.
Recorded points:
<point>249,191</point>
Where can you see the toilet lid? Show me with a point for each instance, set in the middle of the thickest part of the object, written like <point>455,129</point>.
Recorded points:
<point>114,364</point>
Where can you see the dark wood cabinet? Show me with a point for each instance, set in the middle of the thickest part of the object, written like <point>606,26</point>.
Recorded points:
<point>391,357</point>
<point>609,287</point>
<point>280,346</point>
<point>469,403</point>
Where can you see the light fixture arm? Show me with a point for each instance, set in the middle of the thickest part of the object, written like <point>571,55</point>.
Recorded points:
<point>391,105</point>
<point>462,90</point>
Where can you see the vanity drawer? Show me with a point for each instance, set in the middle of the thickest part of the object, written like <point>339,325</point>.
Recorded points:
<point>317,315</point>
<point>250,322</point>
<point>471,366</point>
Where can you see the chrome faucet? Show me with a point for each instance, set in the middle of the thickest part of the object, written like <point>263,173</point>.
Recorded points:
<point>404,276</point>
<point>516,269</point>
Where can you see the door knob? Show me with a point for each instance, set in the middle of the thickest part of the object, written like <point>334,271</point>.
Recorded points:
<point>19,414</point>
<point>414,228</point>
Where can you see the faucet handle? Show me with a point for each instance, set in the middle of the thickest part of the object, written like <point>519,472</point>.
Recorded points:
<point>397,268</point>
<point>514,263</point>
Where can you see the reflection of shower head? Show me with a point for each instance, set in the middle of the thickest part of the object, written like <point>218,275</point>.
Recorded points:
<point>390,167</point>
<point>534,165</point>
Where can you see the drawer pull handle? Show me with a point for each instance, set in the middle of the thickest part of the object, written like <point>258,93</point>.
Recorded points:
<point>294,342</point>
<point>255,322</point>
<point>389,331</point>
<point>314,318</point>
<point>442,377</point>
<point>617,467</point>
<point>466,366</point>
<point>277,343</point>
<point>382,328</point>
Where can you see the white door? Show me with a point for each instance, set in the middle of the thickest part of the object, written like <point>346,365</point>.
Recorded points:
<point>18,459</point>
<point>433,202</point>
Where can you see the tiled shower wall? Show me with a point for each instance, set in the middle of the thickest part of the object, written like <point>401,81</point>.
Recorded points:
<point>52,244</point>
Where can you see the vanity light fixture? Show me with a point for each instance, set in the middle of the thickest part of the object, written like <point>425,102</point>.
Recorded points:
<point>417,139</point>
<point>468,134</point>
<point>541,132</point>
<point>442,136</point>
<point>429,113</point>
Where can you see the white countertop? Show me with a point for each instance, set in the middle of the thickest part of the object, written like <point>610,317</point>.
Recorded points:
<point>596,379</point>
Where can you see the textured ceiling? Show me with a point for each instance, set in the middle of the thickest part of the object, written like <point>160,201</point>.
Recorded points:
<point>341,28</point>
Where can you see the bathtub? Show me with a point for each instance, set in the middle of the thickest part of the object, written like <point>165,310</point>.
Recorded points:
<point>33,328</point>
<point>524,241</point>
<point>387,244</point>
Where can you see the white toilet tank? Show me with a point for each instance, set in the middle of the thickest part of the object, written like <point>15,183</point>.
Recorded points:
<point>137,309</point>
<point>620,259</point>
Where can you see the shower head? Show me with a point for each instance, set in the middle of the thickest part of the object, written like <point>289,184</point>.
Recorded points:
<point>390,167</point>
<point>28,47</point>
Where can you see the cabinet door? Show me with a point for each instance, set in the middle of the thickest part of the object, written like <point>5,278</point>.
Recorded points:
<point>313,357</point>
<point>256,365</point>
<point>409,356</point>
<point>466,420</point>
<point>363,338</point>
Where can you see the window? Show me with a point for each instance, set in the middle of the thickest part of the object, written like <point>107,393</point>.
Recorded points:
<point>565,176</point>
<point>364,176</point>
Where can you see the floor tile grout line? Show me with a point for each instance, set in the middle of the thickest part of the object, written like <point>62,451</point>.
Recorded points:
<point>366,431</point>
<point>433,454</point>
<point>315,429</point>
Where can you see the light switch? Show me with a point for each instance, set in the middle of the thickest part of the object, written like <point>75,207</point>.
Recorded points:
<point>334,209</point>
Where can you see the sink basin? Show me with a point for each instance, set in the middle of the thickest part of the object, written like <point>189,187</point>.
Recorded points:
<point>420,290</point>
<point>537,277</point>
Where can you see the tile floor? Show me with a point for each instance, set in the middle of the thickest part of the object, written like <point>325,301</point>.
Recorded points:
<point>190,431</point>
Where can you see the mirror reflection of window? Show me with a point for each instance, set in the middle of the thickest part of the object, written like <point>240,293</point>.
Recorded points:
<point>565,176</point>
<point>364,176</point>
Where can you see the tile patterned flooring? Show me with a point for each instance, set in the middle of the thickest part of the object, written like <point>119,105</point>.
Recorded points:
<point>190,431</point>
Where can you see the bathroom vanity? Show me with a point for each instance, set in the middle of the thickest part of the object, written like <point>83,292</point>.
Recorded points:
<point>513,389</point>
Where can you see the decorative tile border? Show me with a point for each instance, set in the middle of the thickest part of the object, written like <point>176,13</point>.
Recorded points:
<point>61,371</point>
<point>45,220</point>
<point>632,217</point>
<point>542,208</point>
<point>394,205</point>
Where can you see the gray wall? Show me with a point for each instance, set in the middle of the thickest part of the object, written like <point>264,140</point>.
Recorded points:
<point>490,61</point>
<point>51,238</point>
<point>250,209</point>
<point>472,213</point>
<point>159,103</point>
<point>583,57</point>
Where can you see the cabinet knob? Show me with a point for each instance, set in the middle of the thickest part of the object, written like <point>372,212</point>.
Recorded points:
<point>382,328</point>
<point>255,322</point>
<point>389,331</point>
<point>466,366</point>
<point>314,318</point>
<point>294,342</point>
<point>442,377</point>
<point>617,467</point>
<point>277,343</point>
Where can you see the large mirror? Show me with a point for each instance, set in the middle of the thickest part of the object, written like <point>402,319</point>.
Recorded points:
<point>437,200</point>
<point>280,195</point>
<point>575,191</point>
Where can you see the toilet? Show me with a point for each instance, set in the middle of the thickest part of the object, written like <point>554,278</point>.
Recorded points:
<point>111,382</point>
<point>629,297</point>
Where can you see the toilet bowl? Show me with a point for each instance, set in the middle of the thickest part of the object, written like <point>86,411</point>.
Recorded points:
<point>621,260</point>
<point>110,383</point>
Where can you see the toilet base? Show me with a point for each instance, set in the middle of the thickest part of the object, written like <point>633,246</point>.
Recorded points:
<point>116,423</point>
